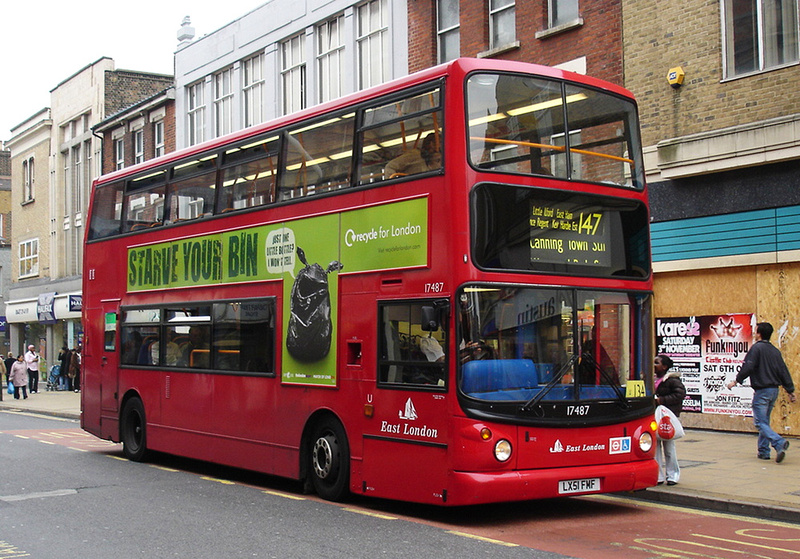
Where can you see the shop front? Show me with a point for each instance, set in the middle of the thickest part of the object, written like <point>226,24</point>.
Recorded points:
<point>49,321</point>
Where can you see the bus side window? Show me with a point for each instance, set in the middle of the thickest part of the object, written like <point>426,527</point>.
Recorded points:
<point>402,138</point>
<point>249,176</point>
<point>245,345</point>
<point>143,205</point>
<point>144,209</point>
<point>410,354</point>
<point>190,193</point>
<point>106,211</point>
<point>318,158</point>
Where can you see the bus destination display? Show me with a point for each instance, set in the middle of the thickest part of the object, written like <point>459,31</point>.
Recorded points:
<point>560,233</point>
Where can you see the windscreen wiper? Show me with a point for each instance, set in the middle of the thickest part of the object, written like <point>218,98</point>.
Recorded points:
<point>612,381</point>
<point>549,386</point>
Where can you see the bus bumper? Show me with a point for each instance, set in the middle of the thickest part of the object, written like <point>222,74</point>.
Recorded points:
<point>468,488</point>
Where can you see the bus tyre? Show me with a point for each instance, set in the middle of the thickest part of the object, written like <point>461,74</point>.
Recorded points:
<point>330,460</point>
<point>132,430</point>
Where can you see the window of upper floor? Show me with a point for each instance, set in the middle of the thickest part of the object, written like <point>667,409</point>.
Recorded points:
<point>448,30</point>
<point>28,179</point>
<point>138,146</point>
<point>372,43</point>
<point>561,12</point>
<point>158,138</point>
<point>29,258</point>
<point>196,113</point>
<point>253,90</point>
<point>119,153</point>
<point>330,42</point>
<point>293,73</point>
<point>502,23</point>
<point>223,102</point>
<point>759,35</point>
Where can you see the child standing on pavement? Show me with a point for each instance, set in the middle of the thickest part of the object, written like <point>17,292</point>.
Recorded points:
<point>670,392</point>
<point>19,377</point>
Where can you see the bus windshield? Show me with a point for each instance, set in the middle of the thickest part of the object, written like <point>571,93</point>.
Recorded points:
<point>536,126</point>
<point>530,344</point>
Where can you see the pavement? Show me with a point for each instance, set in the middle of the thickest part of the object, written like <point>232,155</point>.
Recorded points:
<point>719,470</point>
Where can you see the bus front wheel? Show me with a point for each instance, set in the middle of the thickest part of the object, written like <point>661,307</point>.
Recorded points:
<point>132,431</point>
<point>330,460</point>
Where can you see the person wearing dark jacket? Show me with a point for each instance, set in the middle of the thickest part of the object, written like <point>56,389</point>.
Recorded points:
<point>767,371</point>
<point>9,362</point>
<point>670,392</point>
<point>64,357</point>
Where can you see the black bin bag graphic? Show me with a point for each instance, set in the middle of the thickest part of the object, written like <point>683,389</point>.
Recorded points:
<point>309,334</point>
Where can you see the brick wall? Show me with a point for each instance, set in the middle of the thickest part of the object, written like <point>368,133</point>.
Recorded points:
<point>688,34</point>
<point>5,163</point>
<point>599,39</point>
<point>421,34</point>
<point>124,88</point>
<point>109,155</point>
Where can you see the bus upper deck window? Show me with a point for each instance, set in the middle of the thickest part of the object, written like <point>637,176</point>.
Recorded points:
<point>107,211</point>
<point>403,137</point>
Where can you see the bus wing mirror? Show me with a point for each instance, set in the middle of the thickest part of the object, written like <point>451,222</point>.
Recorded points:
<point>429,319</point>
<point>434,315</point>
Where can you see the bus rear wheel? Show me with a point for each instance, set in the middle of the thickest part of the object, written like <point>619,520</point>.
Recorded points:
<point>132,430</point>
<point>330,460</point>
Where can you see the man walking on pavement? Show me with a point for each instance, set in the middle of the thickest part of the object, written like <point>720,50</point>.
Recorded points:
<point>767,371</point>
<point>32,361</point>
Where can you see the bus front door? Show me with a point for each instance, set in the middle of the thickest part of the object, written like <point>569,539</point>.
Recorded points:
<point>405,442</point>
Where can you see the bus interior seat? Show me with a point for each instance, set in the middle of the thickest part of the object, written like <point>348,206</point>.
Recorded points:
<point>487,375</point>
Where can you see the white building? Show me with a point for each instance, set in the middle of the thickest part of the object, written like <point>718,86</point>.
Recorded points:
<point>284,56</point>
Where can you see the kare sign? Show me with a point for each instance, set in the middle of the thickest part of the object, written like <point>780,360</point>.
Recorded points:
<point>708,352</point>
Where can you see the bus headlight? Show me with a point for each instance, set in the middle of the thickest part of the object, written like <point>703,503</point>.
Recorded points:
<point>502,450</point>
<point>646,442</point>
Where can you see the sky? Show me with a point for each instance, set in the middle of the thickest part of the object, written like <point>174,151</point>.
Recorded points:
<point>45,42</point>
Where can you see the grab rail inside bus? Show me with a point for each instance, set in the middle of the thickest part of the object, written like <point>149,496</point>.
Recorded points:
<point>550,146</point>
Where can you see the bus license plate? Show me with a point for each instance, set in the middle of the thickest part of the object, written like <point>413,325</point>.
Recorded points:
<point>567,486</point>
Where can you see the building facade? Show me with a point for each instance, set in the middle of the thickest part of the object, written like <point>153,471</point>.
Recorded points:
<point>54,158</point>
<point>584,38</point>
<point>5,240</point>
<point>722,153</point>
<point>30,231</point>
<point>140,132</point>
<point>284,56</point>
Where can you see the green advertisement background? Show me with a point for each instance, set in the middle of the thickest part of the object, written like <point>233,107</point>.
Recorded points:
<point>388,236</point>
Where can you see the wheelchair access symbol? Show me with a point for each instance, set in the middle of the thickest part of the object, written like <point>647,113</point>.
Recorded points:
<point>619,445</point>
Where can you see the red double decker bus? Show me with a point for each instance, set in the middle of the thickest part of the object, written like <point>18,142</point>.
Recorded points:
<point>437,290</point>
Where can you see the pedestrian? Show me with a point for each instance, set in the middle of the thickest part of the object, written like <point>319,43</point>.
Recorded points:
<point>765,368</point>
<point>32,361</point>
<point>670,392</point>
<point>63,378</point>
<point>3,371</point>
<point>19,377</point>
<point>9,361</point>
<point>75,369</point>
